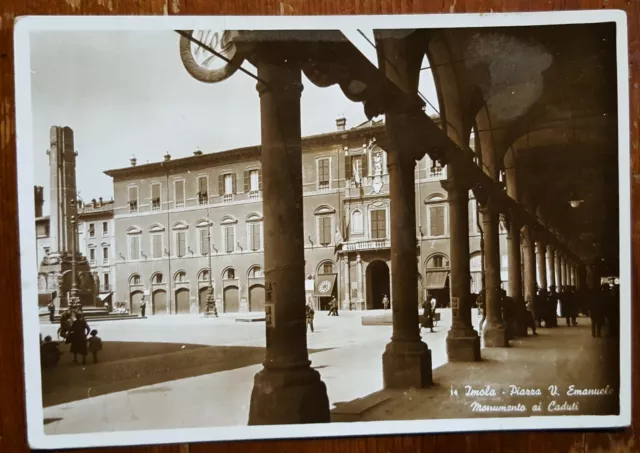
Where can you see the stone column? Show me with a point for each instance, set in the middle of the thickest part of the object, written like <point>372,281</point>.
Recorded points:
<point>558,269</point>
<point>551,266</point>
<point>590,278</point>
<point>515,276</point>
<point>528,250</point>
<point>563,269</point>
<point>494,333</point>
<point>406,361</point>
<point>542,265</point>
<point>346,304</point>
<point>359,282</point>
<point>287,390</point>
<point>463,342</point>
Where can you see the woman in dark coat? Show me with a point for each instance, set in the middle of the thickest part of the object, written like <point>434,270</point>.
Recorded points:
<point>79,331</point>
<point>427,315</point>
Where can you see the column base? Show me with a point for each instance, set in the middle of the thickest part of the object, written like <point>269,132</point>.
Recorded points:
<point>406,364</point>
<point>288,396</point>
<point>463,345</point>
<point>494,336</point>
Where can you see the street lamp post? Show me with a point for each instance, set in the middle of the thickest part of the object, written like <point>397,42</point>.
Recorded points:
<point>211,301</point>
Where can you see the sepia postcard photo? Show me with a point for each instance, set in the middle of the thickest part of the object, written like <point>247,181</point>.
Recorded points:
<point>284,227</point>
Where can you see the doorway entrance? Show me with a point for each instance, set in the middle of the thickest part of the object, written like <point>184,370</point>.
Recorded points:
<point>159,306</point>
<point>182,301</point>
<point>378,284</point>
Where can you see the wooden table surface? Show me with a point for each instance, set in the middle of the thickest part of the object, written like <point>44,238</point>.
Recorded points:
<point>12,399</point>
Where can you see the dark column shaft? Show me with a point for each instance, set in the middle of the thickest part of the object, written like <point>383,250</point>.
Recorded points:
<point>494,333</point>
<point>528,250</point>
<point>287,390</point>
<point>463,342</point>
<point>406,361</point>
<point>542,264</point>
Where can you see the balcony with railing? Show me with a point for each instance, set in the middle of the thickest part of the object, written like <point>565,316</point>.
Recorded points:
<point>227,198</point>
<point>368,244</point>
<point>255,195</point>
<point>155,205</point>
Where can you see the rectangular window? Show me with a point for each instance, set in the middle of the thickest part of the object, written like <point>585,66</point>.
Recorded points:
<point>105,282</point>
<point>105,228</point>
<point>179,192</point>
<point>92,230</point>
<point>92,255</point>
<point>105,255</point>
<point>155,197</point>
<point>379,224</point>
<point>181,243</point>
<point>134,247</point>
<point>133,199</point>
<point>324,230</point>
<point>228,185</point>
<point>203,190</point>
<point>323,173</point>
<point>156,246</point>
<point>229,239</point>
<point>205,244</point>
<point>436,219</point>
<point>254,236</point>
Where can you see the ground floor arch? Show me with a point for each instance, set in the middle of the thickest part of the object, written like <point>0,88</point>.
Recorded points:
<point>256,298</point>
<point>378,284</point>
<point>182,301</point>
<point>135,297</point>
<point>159,302</point>
<point>231,299</point>
<point>203,293</point>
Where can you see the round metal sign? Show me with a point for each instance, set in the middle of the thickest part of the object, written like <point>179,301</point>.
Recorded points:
<point>204,65</point>
<point>324,286</point>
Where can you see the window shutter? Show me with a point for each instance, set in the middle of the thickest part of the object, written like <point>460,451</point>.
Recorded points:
<point>365,165</point>
<point>382,225</point>
<point>348,167</point>
<point>233,183</point>
<point>259,178</point>
<point>220,185</point>
<point>247,182</point>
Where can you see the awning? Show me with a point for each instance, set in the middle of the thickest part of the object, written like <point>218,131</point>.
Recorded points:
<point>325,284</point>
<point>436,279</point>
<point>105,296</point>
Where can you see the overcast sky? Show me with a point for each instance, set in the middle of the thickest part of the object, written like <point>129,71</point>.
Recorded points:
<point>126,93</point>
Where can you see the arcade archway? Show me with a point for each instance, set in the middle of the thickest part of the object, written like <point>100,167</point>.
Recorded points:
<point>378,284</point>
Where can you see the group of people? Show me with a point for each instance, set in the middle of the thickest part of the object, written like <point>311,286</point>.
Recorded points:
<point>75,331</point>
<point>310,313</point>
<point>601,305</point>
<point>429,313</point>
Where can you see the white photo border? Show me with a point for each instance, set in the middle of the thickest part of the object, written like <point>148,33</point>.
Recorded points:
<point>25,160</point>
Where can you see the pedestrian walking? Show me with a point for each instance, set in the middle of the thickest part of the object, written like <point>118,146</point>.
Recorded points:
<point>482,313</point>
<point>143,307</point>
<point>427,315</point>
<point>310,314</point>
<point>78,338</point>
<point>52,311</point>
<point>385,302</point>
<point>596,313</point>
<point>49,353</point>
<point>95,345</point>
<point>333,307</point>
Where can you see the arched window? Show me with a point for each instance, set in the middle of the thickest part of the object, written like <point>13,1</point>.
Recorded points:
<point>438,261</point>
<point>134,243</point>
<point>229,274</point>
<point>324,224</point>
<point>204,236</point>
<point>228,224</point>
<point>254,231</point>
<point>256,272</point>
<point>180,277</point>
<point>357,226</point>
<point>135,280</point>
<point>203,276</point>
<point>326,267</point>
<point>436,216</point>
<point>180,238</point>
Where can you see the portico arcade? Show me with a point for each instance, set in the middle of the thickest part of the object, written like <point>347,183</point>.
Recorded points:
<point>513,121</point>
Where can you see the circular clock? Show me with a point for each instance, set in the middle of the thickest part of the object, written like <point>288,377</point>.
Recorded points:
<point>324,286</point>
<point>205,66</point>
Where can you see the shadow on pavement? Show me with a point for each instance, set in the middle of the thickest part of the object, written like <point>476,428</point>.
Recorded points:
<point>129,365</point>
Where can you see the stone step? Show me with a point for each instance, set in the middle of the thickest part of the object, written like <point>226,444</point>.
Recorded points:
<point>250,318</point>
<point>354,410</point>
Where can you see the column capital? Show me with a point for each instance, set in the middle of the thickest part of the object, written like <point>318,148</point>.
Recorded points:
<point>454,188</point>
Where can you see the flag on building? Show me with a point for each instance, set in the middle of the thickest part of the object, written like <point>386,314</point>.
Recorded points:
<point>339,238</point>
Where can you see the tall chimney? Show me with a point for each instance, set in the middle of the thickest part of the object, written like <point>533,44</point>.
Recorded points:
<point>341,123</point>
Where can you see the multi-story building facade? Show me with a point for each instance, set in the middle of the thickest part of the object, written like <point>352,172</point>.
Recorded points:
<point>96,236</point>
<point>182,223</point>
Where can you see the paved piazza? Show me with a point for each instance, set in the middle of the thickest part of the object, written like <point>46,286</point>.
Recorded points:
<point>350,364</point>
